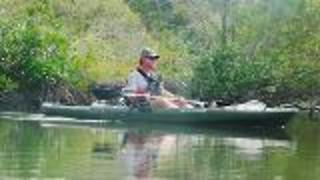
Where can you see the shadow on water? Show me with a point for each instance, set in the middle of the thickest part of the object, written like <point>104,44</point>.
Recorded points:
<point>47,148</point>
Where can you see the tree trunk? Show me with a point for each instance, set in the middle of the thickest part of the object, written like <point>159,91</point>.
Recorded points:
<point>225,14</point>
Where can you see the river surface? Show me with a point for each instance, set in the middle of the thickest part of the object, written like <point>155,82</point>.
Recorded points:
<point>37,147</point>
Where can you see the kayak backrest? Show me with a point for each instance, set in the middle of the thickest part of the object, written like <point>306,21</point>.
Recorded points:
<point>107,93</point>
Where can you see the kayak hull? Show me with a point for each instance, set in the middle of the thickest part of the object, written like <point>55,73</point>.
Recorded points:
<point>197,116</point>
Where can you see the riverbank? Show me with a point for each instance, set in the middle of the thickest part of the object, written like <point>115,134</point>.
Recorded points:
<point>31,101</point>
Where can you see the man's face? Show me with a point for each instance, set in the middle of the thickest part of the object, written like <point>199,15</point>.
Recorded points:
<point>150,63</point>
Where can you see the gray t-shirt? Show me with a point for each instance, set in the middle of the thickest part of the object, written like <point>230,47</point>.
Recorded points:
<point>136,83</point>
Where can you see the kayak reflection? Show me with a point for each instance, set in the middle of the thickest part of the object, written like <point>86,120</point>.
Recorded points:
<point>140,152</point>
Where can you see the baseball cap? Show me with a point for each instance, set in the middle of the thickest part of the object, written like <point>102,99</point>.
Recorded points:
<point>149,53</point>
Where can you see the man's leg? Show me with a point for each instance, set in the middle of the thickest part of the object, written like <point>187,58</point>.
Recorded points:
<point>163,103</point>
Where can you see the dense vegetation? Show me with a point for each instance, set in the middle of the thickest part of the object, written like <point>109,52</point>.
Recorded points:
<point>217,48</point>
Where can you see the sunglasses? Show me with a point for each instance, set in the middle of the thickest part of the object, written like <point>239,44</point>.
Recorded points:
<point>153,58</point>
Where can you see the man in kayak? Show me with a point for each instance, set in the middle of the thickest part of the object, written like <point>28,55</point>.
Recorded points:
<point>142,82</point>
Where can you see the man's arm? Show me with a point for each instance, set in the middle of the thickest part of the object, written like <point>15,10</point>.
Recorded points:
<point>167,93</point>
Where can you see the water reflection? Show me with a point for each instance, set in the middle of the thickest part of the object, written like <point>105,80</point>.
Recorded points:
<point>139,153</point>
<point>42,150</point>
<point>253,149</point>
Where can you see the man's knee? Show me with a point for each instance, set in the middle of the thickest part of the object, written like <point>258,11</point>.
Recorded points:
<point>163,103</point>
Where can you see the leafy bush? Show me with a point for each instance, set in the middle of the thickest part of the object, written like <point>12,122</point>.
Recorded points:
<point>6,83</point>
<point>227,73</point>
<point>32,56</point>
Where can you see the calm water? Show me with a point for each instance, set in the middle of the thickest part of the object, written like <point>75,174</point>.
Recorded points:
<point>53,150</point>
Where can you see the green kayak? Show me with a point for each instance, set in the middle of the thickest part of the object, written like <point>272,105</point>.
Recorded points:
<point>269,116</point>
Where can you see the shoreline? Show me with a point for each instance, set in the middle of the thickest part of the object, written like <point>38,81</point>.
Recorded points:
<point>31,101</point>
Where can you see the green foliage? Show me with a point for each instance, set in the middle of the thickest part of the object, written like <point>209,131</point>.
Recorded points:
<point>159,15</point>
<point>299,50</point>
<point>33,48</point>
<point>228,73</point>
<point>6,83</point>
<point>223,47</point>
<point>32,56</point>
<point>277,47</point>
